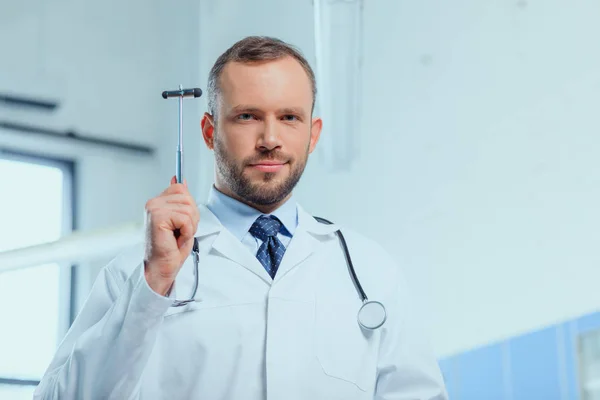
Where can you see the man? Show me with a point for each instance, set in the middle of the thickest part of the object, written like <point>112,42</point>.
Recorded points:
<point>275,311</point>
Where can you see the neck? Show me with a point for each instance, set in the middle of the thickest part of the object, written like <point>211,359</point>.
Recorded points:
<point>263,208</point>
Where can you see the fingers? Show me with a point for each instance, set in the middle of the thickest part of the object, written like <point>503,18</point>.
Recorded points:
<point>155,206</point>
<point>170,220</point>
<point>185,210</point>
<point>185,224</point>
<point>174,181</point>
<point>177,192</point>
<point>175,209</point>
<point>176,188</point>
<point>179,199</point>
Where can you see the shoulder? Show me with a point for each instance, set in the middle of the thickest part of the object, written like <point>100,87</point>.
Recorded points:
<point>372,261</point>
<point>381,273</point>
<point>368,246</point>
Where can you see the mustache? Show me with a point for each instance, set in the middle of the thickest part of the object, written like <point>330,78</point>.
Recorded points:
<point>276,156</point>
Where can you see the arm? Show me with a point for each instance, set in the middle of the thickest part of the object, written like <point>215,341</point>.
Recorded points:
<point>106,349</point>
<point>407,368</point>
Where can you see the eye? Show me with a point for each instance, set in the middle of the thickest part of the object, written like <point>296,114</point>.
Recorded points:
<point>245,116</point>
<point>290,118</point>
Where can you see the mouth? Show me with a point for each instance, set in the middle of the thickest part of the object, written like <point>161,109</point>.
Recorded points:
<point>268,166</point>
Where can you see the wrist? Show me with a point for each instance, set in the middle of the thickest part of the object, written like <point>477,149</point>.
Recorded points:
<point>159,284</point>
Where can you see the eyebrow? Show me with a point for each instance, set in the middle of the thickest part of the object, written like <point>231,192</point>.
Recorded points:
<point>252,109</point>
<point>244,108</point>
<point>292,110</point>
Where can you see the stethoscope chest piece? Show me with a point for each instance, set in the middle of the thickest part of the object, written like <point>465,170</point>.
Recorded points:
<point>371,315</point>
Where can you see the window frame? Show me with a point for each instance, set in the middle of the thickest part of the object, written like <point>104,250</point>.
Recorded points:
<point>68,273</point>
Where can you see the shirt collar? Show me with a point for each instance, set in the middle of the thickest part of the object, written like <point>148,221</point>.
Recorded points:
<point>238,217</point>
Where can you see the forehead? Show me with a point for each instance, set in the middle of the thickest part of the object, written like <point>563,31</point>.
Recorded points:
<point>266,84</point>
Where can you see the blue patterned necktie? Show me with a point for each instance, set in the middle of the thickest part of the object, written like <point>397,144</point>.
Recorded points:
<point>270,253</point>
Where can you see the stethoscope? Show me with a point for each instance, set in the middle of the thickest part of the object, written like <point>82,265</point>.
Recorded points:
<point>371,315</point>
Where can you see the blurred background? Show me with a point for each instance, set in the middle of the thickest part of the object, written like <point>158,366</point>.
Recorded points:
<point>463,135</point>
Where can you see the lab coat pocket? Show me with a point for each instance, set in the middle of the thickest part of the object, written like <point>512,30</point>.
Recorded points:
<point>345,350</point>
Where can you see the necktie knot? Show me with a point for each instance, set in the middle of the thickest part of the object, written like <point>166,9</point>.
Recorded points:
<point>265,227</point>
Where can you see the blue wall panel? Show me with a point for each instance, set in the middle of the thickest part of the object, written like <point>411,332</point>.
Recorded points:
<point>538,366</point>
<point>481,375</point>
<point>451,370</point>
<point>588,323</point>
<point>534,366</point>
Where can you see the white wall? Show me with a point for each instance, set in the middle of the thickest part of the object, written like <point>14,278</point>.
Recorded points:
<point>495,183</point>
<point>477,165</point>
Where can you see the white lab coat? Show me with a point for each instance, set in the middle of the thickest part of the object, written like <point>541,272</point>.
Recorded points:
<point>247,337</point>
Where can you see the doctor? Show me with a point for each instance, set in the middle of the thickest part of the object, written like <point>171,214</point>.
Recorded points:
<point>275,312</point>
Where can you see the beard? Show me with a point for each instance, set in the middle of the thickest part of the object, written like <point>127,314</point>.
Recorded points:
<point>266,191</point>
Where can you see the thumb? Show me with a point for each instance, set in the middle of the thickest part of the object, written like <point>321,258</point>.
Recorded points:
<point>173,180</point>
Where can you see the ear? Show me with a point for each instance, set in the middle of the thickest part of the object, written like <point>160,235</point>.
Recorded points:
<point>315,133</point>
<point>208,130</point>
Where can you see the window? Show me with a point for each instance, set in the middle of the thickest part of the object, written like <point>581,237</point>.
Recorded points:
<point>589,362</point>
<point>35,207</point>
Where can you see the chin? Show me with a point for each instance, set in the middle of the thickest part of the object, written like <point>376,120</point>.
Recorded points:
<point>258,177</point>
<point>271,182</point>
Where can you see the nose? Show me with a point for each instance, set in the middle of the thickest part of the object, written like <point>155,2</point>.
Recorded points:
<point>270,137</point>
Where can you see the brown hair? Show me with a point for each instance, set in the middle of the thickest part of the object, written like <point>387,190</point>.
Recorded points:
<point>252,49</point>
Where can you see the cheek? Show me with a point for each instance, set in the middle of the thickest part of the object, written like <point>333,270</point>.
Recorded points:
<point>298,143</point>
<point>238,142</point>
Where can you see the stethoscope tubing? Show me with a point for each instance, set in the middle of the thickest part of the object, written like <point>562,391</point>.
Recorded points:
<point>363,296</point>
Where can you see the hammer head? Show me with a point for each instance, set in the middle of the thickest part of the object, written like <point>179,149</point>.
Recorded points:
<point>192,92</point>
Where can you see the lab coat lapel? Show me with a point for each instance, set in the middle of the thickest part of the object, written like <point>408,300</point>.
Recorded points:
<point>302,245</point>
<point>308,238</point>
<point>228,245</point>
